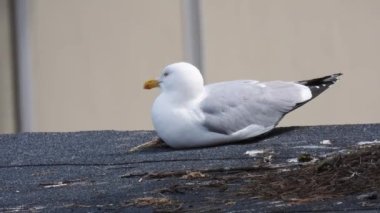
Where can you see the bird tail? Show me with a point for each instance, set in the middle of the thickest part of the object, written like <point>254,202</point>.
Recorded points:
<point>319,85</point>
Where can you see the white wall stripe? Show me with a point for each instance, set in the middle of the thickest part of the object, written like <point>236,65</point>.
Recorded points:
<point>193,33</point>
<point>24,65</point>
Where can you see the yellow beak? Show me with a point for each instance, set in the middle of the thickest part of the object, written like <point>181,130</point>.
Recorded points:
<point>151,84</point>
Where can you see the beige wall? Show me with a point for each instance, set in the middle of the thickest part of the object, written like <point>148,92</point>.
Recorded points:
<point>7,104</point>
<point>296,40</point>
<point>90,57</point>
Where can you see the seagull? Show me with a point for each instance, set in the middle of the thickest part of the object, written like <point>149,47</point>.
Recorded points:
<point>189,114</point>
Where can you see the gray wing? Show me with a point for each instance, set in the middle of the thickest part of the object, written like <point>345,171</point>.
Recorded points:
<point>234,105</point>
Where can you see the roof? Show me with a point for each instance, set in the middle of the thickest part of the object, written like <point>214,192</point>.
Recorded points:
<point>93,171</point>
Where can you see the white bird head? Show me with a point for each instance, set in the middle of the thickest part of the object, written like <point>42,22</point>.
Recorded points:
<point>179,79</point>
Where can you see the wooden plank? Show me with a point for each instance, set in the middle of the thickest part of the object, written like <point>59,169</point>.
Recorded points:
<point>93,171</point>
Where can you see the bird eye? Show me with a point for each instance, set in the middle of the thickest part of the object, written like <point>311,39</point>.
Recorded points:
<point>166,74</point>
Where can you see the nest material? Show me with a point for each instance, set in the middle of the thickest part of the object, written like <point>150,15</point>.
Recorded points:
<point>343,174</point>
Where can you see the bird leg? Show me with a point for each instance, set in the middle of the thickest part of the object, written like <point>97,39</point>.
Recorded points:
<point>156,142</point>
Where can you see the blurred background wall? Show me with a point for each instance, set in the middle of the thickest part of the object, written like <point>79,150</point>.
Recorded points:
<point>8,114</point>
<point>70,65</point>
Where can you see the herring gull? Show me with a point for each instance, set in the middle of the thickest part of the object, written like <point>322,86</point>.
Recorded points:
<point>189,114</point>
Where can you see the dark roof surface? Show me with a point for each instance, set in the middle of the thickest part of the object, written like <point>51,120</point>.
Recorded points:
<point>93,171</point>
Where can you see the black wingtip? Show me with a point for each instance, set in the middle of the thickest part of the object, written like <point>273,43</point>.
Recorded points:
<point>319,85</point>
<point>333,77</point>
<point>329,79</point>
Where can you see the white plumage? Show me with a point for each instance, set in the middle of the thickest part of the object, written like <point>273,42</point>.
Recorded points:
<point>188,114</point>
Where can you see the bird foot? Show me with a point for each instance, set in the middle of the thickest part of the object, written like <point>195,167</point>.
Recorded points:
<point>156,142</point>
